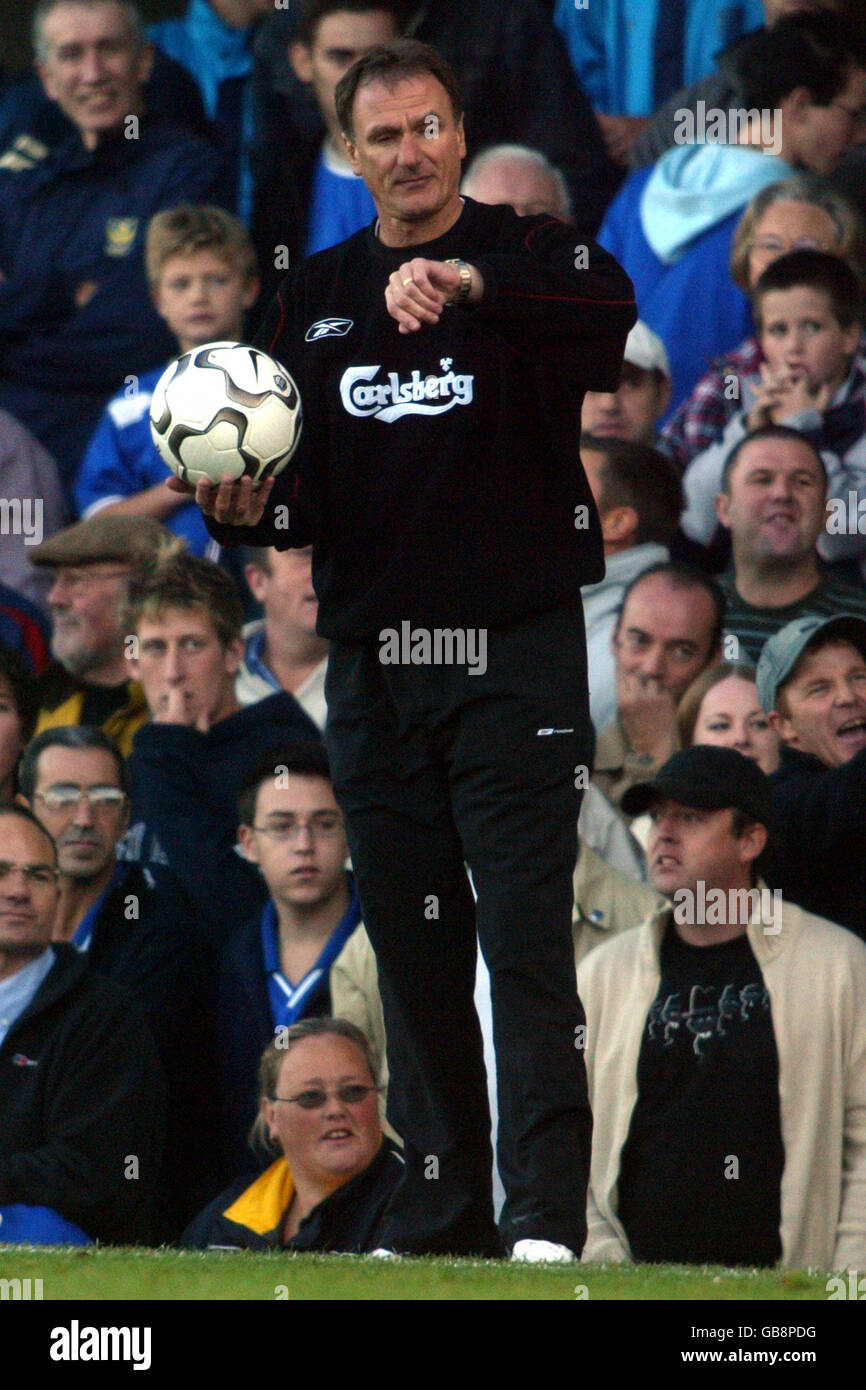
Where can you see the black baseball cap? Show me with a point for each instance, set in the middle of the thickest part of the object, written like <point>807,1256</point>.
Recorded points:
<point>708,779</point>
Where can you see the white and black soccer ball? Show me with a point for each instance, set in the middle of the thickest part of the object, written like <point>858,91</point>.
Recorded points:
<point>225,409</point>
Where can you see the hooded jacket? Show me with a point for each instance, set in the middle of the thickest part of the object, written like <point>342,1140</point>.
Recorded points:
<point>671,227</point>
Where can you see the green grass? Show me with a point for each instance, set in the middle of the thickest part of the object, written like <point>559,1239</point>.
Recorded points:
<point>178,1275</point>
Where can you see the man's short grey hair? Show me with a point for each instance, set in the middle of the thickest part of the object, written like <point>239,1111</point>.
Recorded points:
<point>44,8</point>
<point>496,152</point>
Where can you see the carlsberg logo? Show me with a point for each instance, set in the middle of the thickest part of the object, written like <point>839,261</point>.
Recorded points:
<point>390,399</point>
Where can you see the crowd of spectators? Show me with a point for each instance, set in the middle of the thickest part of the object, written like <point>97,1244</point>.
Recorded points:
<point>183,959</point>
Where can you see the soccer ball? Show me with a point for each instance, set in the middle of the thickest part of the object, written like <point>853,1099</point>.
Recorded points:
<point>225,409</point>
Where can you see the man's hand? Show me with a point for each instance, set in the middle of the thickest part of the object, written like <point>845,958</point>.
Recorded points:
<point>648,711</point>
<point>620,133</point>
<point>176,707</point>
<point>232,503</point>
<point>418,292</point>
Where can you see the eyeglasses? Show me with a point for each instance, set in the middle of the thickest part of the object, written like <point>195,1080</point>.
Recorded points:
<point>776,247</point>
<point>64,796</point>
<point>351,1094</point>
<point>321,827</point>
<point>39,874</point>
<point>858,117</point>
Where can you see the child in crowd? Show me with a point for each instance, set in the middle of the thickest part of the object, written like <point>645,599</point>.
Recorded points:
<point>203,278</point>
<point>807,306</point>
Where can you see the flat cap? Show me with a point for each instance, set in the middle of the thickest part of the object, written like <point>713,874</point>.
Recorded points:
<point>132,540</point>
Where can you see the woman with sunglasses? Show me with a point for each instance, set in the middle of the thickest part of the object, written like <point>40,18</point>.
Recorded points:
<point>336,1170</point>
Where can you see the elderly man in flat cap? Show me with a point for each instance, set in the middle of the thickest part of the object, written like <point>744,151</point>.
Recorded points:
<point>88,681</point>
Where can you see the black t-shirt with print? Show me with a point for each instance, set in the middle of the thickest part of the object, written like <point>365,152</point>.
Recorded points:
<point>702,1166</point>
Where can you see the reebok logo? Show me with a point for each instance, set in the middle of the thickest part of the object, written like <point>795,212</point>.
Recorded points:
<point>328,328</point>
<point>391,399</point>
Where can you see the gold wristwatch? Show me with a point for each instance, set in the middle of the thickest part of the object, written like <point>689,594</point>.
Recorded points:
<point>465,281</point>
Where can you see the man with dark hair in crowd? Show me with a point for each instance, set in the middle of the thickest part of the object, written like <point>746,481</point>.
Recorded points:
<point>81,1088</point>
<point>276,970</point>
<point>773,502</point>
<point>812,684</point>
<point>75,312</point>
<point>639,498</point>
<point>189,760</point>
<point>668,629</point>
<point>499,327</point>
<point>89,680</point>
<point>19,710</point>
<point>131,928</point>
<point>726,1048</point>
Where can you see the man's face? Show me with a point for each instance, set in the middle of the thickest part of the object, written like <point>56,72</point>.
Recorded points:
<point>341,39</point>
<point>85,830</point>
<point>824,704</point>
<point>180,651</point>
<point>300,844</point>
<point>665,634</point>
<point>816,137</point>
<point>801,336</point>
<point>287,593</point>
<point>632,412</point>
<point>521,183</point>
<point>93,68</point>
<point>407,147</point>
<point>86,603</point>
<point>687,846</point>
<point>328,1146</point>
<point>28,890</point>
<point>203,298</point>
<point>11,741</point>
<point>775,506</point>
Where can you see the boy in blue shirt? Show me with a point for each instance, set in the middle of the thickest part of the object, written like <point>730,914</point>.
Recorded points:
<point>203,278</point>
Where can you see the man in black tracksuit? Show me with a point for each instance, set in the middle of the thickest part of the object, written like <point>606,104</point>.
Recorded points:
<point>439,479</point>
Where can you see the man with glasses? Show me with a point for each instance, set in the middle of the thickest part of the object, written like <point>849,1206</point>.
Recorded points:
<point>131,927</point>
<point>88,681</point>
<point>81,1089</point>
<point>276,970</point>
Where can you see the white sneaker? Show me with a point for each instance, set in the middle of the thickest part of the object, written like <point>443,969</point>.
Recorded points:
<point>537,1252</point>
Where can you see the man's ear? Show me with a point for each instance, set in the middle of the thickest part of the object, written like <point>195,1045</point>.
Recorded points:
<point>351,153</point>
<point>145,63</point>
<point>752,842</point>
<point>723,509</point>
<point>234,654</point>
<point>49,86</point>
<point>251,291</point>
<point>663,394</point>
<point>256,581</point>
<point>619,525</point>
<point>301,60</point>
<point>783,727</point>
<point>247,842</point>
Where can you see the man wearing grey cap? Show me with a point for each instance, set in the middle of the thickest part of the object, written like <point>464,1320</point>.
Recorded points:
<point>726,1048</point>
<point>812,684</point>
<point>89,682</point>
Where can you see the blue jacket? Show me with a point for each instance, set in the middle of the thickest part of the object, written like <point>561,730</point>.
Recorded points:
<point>77,218</point>
<point>220,60</point>
<point>122,460</point>
<point>611,47</point>
<point>670,227</point>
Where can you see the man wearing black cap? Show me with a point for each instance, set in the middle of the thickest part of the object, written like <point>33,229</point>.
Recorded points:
<point>89,680</point>
<point>812,684</point>
<point>726,1048</point>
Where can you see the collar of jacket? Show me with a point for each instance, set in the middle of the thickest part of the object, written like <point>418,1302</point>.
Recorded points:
<point>794,762</point>
<point>767,938</point>
<point>67,972</point>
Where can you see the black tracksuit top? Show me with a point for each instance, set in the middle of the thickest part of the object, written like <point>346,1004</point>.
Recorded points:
<point>438,473</point>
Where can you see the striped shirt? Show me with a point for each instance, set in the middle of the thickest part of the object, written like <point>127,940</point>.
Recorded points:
<point>752,626</point>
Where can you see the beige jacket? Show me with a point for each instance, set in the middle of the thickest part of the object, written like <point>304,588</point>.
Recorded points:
<point>815,974</point>
<point>617,766</point>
